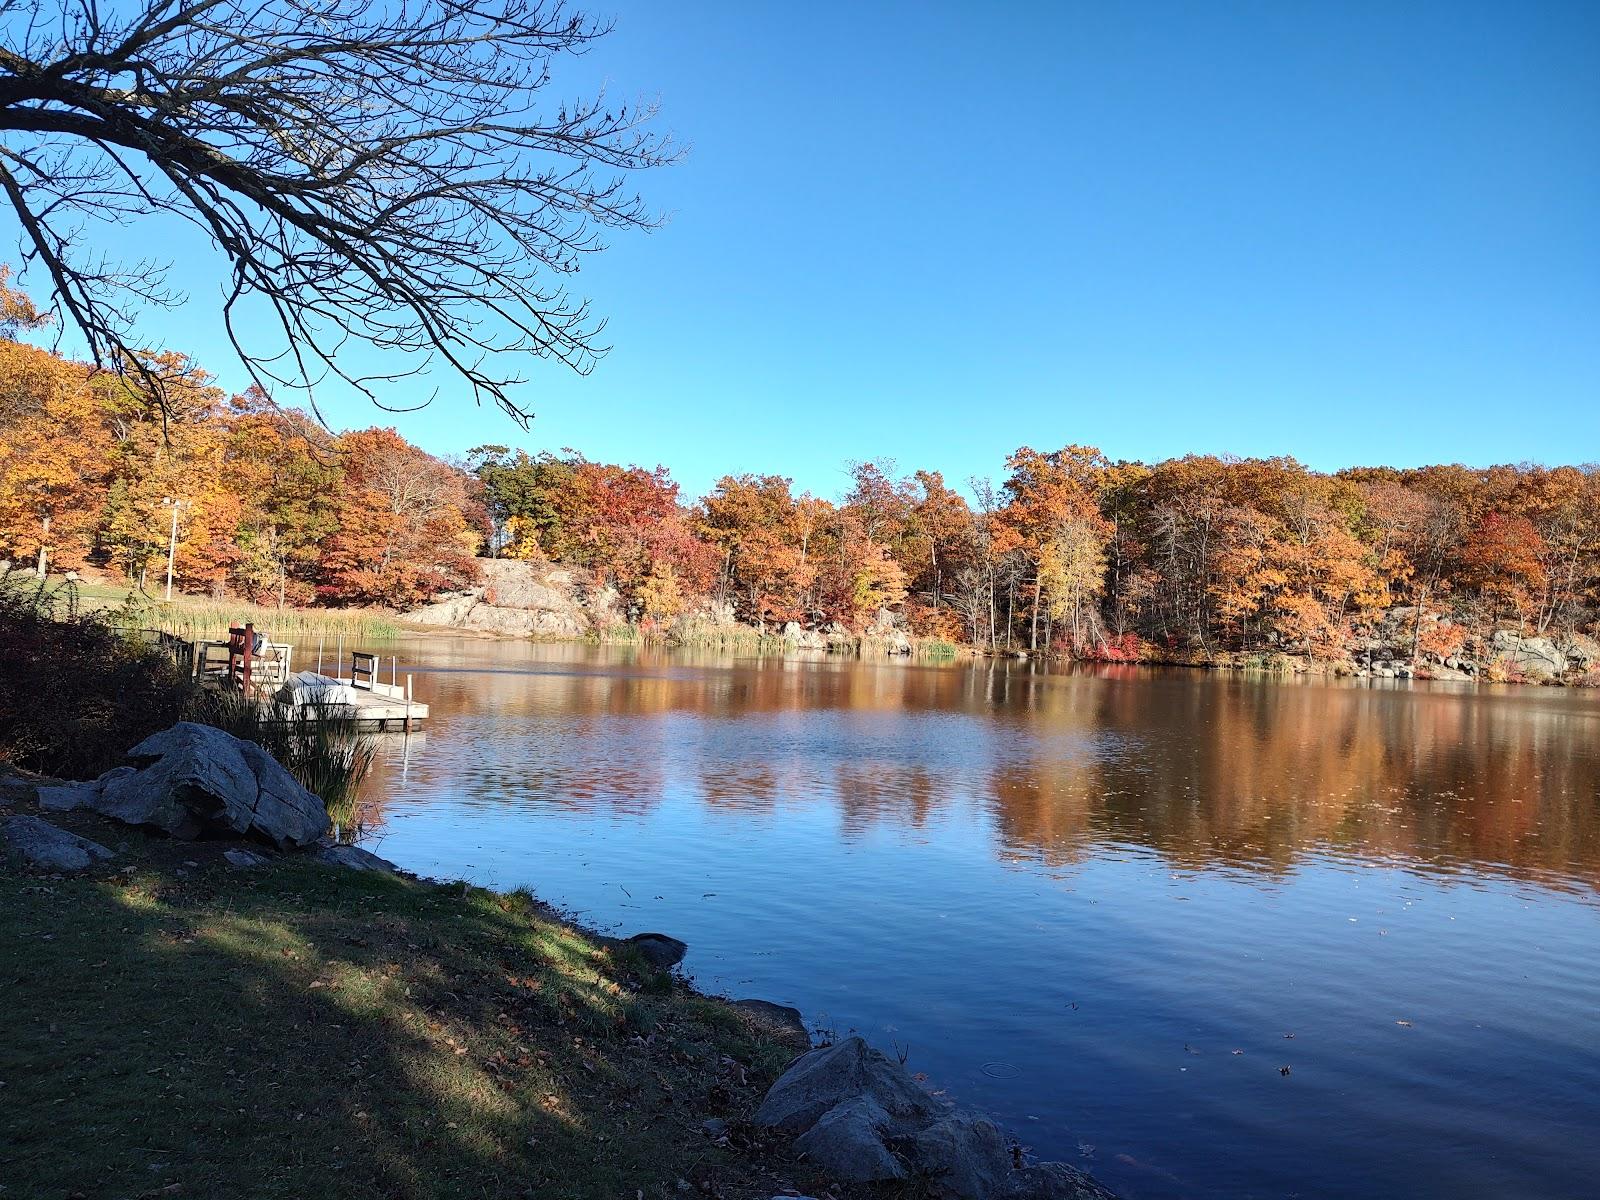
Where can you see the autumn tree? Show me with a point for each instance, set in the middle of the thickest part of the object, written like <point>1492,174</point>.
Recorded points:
<point>1053,511</point>
<point>54,453</point>
<point>286,472</point>
<point>406,524</point>
<point>765,540</point>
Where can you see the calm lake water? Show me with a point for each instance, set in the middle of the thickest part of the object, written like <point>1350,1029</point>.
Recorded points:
<point>1109,906</point>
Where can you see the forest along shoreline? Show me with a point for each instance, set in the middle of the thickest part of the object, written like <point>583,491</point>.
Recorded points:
<point>1442,571</point>
<point>545,602</point>
<point>244,986</point>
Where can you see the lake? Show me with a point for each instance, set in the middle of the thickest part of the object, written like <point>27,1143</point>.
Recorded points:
<point>1205,935</point>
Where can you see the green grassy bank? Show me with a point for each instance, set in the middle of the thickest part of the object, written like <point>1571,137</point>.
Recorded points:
<point>177,1027</point>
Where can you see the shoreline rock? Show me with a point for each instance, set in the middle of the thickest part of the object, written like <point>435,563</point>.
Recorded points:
<point>194,779</point>
<point>863,1119</point>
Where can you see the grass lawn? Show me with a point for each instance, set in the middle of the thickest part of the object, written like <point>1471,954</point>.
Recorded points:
<point>176,1027</point>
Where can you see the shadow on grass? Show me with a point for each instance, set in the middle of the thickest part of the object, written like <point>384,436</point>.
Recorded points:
<point>315,1032</point>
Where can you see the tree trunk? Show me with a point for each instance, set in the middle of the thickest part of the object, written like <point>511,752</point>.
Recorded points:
<point>1033,632</point>
<point>44,539</point>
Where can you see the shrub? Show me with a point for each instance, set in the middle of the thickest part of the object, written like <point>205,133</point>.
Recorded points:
<point>1122,648</point>
<point>76,692</point>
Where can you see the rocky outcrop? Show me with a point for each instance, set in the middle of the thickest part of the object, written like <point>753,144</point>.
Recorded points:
<point>522,599</point>
<point>797,638</point>
<point>1449,650</point>
<point>862,1119</point>
<point>192,780</point>
<point>1583,652</point>
<point>541,600</point>
<point>885,635</point>
<point>49,848</point>
<point>1533,656</point>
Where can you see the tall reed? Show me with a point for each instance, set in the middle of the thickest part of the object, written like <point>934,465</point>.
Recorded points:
<point>195,619</point>
<point>321,745</point>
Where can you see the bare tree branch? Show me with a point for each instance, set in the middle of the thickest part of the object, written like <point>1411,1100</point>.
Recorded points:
<point>372,170</point>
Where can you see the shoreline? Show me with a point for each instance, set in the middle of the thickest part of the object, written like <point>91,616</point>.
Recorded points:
<point>1285,666</point>
<point>501,996</point>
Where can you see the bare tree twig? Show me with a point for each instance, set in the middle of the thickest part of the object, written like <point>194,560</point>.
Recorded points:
<point>372,170</point>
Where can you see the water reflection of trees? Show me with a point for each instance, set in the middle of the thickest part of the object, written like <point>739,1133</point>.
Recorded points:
<point>1205,769</point>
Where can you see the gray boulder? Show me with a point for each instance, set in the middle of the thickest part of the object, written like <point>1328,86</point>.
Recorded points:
<point>787,1023</point>
<point>848,1142</point>
<point>964,1155</point>
<point>244,859</point>
<point>355,858</point>
<point>862,1119</point>
<point>193,779</point>
<point>657,949</point>
<point>1535,656</point>
<point>830,1076</point>
<point>44,845</point>
<point>803,639</point>
<point>1054,1181</point>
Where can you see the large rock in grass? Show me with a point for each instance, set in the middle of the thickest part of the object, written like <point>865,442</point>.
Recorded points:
<point>53,849</point>
<point>860,1118</point>
<point>193,780</point>
<point>354,857</point>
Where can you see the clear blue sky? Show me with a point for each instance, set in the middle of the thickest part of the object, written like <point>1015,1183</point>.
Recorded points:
<point>1354,232</point>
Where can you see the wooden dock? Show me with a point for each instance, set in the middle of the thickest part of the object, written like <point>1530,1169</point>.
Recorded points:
<point>249,664</point>
<point>383,707</point>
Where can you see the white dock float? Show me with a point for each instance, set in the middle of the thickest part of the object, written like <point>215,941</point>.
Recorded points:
<point>374,705</point>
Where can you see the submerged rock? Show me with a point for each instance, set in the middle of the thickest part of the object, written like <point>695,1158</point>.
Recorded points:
<point>44,845</point>
<point>863,1119</point>
<point>194,779</point>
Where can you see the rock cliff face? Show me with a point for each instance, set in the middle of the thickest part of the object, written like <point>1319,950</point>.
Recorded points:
<point>526,599</point>
<point>540,600</point>
<point>1386,651</point>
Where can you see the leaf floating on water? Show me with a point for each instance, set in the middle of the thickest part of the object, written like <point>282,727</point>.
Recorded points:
<point>1407,1024</point>
<point>1236,1052</point>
